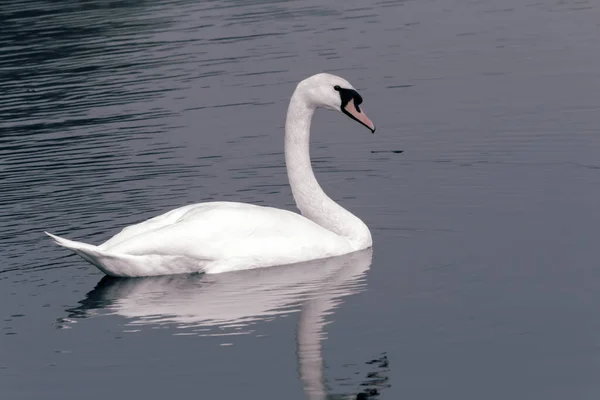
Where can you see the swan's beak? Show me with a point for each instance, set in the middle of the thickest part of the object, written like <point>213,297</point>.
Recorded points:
<point>353,112</point>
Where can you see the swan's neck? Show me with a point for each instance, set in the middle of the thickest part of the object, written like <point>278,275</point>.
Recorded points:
<point>310,199</point>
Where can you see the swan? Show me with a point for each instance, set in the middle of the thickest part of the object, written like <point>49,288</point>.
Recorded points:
<point>216,237</point>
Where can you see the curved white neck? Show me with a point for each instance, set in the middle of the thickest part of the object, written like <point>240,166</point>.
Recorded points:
<point>310,199</point>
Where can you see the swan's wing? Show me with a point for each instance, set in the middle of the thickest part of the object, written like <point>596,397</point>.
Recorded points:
<point>224,230</point>
<point>151,224</point>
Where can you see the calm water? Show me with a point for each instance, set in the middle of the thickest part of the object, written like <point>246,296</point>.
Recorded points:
<point>484,280</point>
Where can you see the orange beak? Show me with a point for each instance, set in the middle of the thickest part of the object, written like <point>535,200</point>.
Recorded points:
<point>354,112</point>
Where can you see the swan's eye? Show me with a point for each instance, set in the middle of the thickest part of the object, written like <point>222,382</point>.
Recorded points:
<point>337,87</point>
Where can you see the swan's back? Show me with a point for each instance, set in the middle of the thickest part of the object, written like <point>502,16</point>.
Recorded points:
<point>228,235</point>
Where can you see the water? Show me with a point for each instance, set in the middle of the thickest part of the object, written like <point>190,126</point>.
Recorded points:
<point>484,278</point>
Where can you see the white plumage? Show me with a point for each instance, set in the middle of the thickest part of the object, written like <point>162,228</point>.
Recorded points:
<point>226,236</point>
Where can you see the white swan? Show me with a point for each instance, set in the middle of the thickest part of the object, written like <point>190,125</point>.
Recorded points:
<point>217,237</point>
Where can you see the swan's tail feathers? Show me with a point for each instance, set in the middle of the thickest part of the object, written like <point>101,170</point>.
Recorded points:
<point>128,265</point>
<point>88,252</point>
<point>71,244</point>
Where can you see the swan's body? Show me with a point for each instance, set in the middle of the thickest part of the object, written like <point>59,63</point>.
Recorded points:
<point>212,237</point>
<point>224,236</point>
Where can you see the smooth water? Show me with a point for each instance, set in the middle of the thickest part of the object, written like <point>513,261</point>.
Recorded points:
<point>484,279</point>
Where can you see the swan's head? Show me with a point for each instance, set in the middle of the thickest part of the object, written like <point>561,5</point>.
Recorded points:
<point>335,93</point>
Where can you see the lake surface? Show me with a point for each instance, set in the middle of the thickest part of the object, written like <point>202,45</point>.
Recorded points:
<point>484,278</point>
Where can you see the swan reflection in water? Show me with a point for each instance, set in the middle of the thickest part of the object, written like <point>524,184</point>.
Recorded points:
<point>231,303</point>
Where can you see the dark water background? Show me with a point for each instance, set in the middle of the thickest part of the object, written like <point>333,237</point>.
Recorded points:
<point>485,276</point>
